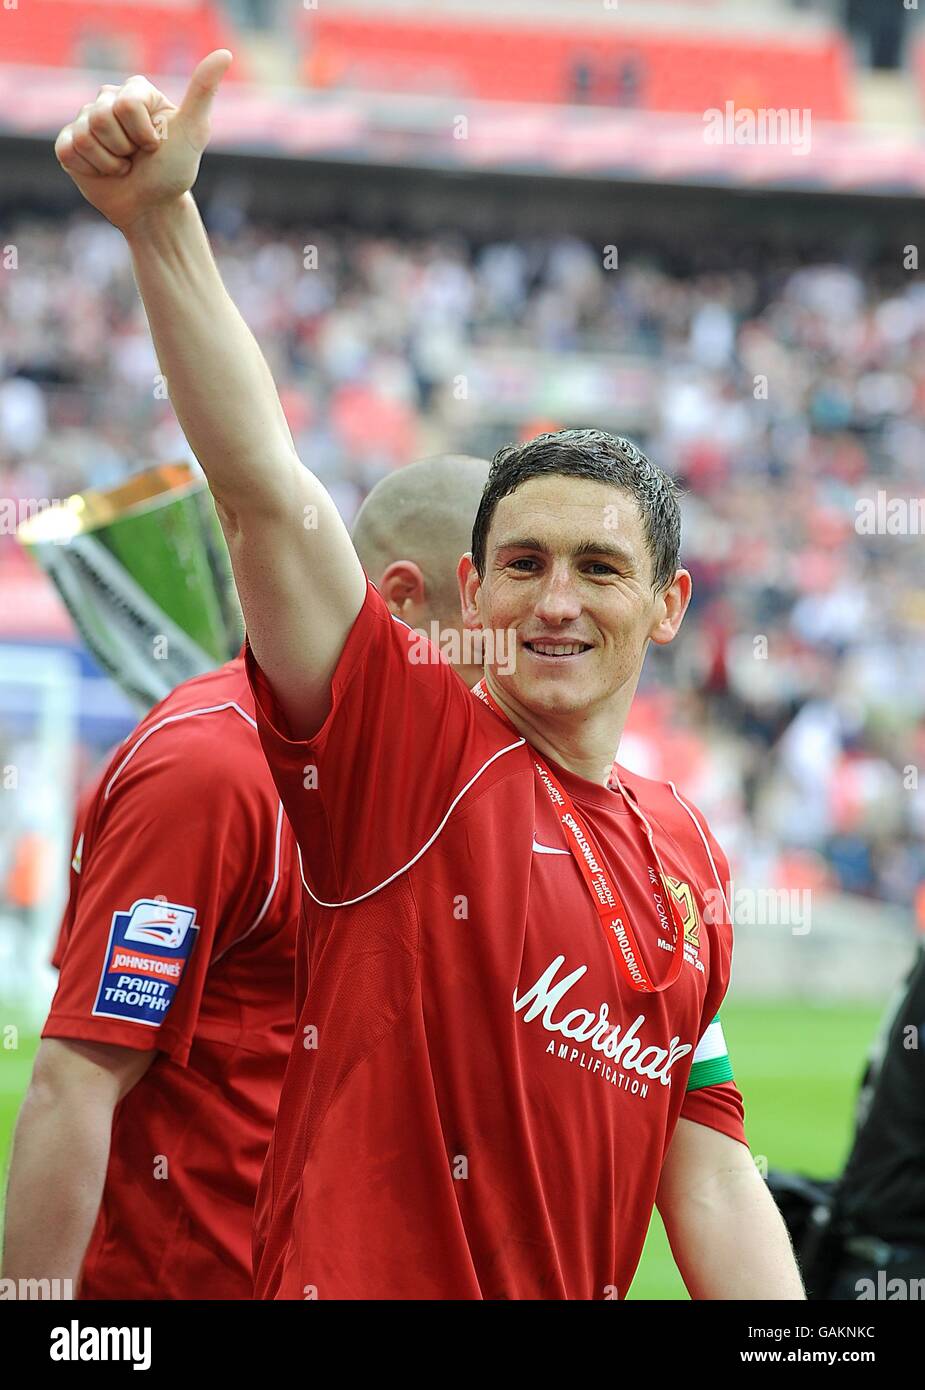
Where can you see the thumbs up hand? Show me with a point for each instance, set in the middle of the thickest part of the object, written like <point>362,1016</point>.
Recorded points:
<point>133,150</point>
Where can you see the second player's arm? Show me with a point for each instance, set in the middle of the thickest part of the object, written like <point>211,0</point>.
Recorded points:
<point>61,1154</point>
<point>298,576</point>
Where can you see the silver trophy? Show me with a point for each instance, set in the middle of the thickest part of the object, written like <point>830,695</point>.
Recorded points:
<point>145,575</point>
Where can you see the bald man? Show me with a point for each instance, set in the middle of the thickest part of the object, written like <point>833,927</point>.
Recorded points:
<point>154,1093</point>
<point>425,510</point>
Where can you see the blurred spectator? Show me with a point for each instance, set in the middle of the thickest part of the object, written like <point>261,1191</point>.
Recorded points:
<point>878,30</point>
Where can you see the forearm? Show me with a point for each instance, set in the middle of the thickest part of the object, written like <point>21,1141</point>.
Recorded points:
<point>730,1242</point>
<point>217,378</point>
<point>57,1174</point>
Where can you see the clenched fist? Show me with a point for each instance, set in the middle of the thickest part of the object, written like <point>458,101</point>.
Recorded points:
<point>133,150</point>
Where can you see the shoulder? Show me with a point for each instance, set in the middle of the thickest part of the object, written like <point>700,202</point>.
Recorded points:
<point>223,691</point>
<point>662,799</point>
<point>677,814</point>
<point>203,734</point>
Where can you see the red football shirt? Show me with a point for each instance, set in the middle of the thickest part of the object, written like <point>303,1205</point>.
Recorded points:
<point>179,936</point>
<point>480,1104</point>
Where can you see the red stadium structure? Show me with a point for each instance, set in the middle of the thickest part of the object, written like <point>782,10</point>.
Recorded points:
<point>160,36</point>
<point>497,60</point>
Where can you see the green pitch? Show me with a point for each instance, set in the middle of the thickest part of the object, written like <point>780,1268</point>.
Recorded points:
<point>17,1049</point>
<point>798,1067</point>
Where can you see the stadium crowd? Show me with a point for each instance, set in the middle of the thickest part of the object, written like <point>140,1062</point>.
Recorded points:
<point>787,399</point>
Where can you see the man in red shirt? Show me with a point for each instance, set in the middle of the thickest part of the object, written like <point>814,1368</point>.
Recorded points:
<point>503,1008</point>
<point>144,1131</point>
<point>507,1152</point>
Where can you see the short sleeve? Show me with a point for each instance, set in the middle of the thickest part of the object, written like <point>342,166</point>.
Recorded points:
<point>170,871</point>
<point>369,793</point>
<point>712,1097</point>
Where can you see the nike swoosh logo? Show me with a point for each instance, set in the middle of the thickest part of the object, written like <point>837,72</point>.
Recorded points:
<point>546,849</point>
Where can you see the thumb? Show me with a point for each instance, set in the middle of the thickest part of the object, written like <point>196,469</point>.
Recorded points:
<point>204,83</point>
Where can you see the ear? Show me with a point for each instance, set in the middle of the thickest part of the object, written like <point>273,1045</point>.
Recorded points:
<point>467,577</point>
<point>672,605</point>
<point>402,584</point>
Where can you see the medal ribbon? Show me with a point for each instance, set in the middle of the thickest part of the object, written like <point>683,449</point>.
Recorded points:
<point>604,892</point>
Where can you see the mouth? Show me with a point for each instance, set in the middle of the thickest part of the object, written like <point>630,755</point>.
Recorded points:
<point>557,653</point>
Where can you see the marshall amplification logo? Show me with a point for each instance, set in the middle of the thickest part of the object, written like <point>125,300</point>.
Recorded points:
<point>623,1047</point>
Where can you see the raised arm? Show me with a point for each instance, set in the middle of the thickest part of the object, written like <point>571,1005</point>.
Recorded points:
<point>135,156</point>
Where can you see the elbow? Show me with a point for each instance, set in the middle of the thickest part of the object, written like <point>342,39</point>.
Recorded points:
<point>71,1076</point>
<point>228,519</point>
<point>266,493</point>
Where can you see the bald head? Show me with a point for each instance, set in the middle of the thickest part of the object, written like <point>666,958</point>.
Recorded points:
<point>411,531</point>
<point>423,513</point>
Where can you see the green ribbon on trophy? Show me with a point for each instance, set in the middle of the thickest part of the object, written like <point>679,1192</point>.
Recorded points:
<point>144,572</point>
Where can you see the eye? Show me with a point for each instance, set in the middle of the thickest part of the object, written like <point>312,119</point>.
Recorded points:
<point>600,565</point>
<point>522,560</point>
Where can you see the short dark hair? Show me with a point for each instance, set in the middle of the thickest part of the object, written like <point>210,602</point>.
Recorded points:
<point>604,458</point>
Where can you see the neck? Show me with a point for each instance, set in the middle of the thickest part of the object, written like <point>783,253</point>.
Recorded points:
<point>584,742</point>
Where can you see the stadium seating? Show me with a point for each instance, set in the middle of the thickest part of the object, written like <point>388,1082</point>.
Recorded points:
<point>156,36</point>
<point>655,69</point>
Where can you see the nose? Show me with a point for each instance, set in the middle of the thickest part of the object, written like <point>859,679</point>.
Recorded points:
<point>558,600</point>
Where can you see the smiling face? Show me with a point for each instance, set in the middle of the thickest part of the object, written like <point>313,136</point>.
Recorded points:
<point>568,569</point>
